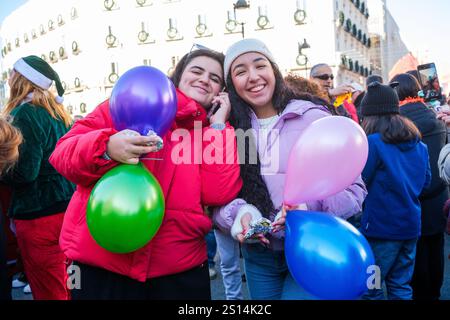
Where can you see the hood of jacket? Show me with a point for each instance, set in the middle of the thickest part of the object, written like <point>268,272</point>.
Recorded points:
<point>408,145</point>
<point>294,109</point>
<point>188,112</point>
<point>424,118</point>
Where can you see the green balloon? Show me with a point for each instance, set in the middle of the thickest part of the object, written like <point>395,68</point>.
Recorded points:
<point>125,209</point>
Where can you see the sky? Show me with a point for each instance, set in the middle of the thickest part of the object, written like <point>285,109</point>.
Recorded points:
<point>423,27</point>
<point>7,6</point>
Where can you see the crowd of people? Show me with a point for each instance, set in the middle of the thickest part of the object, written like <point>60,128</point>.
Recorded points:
<point>51,164</point>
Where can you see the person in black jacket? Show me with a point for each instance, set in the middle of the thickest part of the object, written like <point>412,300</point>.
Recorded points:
<point>429,269</point>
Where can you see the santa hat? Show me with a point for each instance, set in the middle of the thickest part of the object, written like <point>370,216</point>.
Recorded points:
<point>40,73</point>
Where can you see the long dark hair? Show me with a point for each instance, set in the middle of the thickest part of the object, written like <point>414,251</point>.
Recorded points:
<point>188,57</point>
<point>393,128</point>
<point>254,190</point>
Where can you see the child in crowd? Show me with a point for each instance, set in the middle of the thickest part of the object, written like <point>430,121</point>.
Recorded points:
<point>396,173</point>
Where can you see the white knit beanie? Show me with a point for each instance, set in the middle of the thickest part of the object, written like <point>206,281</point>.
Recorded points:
<point>244,46</point>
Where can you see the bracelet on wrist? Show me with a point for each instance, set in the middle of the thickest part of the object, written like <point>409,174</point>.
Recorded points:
<point>106,156</point>
<point>218,126</point>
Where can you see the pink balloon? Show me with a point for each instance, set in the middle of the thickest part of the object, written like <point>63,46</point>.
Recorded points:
<point>327,158</point>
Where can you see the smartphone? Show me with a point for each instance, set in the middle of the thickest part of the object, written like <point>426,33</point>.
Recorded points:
<point>215,107</point>
<point>429,82</point>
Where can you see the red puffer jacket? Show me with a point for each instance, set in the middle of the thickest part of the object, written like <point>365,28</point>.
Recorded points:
<point>179,244</point>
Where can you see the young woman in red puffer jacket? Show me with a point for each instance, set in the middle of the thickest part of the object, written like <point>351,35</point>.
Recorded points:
<point>173,265</point>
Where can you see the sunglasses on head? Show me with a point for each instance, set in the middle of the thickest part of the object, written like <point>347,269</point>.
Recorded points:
<point>324,77</point>
<point>197,46</point>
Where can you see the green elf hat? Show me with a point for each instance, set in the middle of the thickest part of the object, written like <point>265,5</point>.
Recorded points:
<point>40,73</point>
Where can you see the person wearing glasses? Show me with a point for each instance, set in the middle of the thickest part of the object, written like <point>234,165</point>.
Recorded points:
<point>323,76</point>
<point>276,116</point>
<point>173,265</point>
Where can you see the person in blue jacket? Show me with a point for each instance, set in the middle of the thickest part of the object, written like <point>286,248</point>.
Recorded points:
<point>396,172</point>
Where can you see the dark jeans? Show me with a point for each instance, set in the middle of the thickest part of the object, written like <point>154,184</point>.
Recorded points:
<point>101,284</point>
<point>268,276</point>
<point>5,281</point>
<point>211,244</point>
<point>395,258</point>
<point>428,274</point>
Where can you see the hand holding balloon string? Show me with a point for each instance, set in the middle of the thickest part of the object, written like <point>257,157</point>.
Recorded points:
<point>257,229</point>
<point>280,223</point>
<point>127,146</point>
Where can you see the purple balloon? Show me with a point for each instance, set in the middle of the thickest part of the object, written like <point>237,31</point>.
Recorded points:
<point>143,99</point>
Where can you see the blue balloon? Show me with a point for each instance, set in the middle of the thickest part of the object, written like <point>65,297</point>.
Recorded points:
<point>327,256</point>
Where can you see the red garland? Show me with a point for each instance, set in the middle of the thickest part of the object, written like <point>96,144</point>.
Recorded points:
<point>411,100</point>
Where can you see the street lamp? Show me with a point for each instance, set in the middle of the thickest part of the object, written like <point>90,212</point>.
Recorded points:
<point>240,5</point>
<point>302,59</point>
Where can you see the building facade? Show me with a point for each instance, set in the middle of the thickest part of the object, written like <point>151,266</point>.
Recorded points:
<point>91,43</point>
<point>352,41</point>
<point>388,46</point>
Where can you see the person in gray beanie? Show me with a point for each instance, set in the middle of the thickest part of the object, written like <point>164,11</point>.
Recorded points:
<point>262,102</point>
